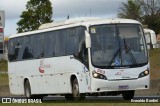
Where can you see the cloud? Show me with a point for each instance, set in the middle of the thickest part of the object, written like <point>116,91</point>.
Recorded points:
<point>78,8</point>
<point>13,8</point>
<point>61,9</point>
<point>10,27</point>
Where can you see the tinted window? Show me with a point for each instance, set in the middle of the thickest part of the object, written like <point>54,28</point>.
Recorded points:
<point>15,49</point>
<point>75,38</point>
<point>38,46</point>
<point>80,32</point>
<point>28,48</point>
<point>54,43</point>
<point>11,47</point>
<point>60,43</point>
<point>49,44</point>
<point>71,41</point>
<point>21,42</point>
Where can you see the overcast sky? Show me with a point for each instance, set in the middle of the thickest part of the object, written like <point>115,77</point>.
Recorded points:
<point>61,9</point>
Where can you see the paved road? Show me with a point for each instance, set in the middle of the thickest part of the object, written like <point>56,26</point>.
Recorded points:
<point>97,99</point>
<point>101,98</point>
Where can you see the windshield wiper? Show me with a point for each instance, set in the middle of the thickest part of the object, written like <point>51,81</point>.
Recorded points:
<point>115,55</point>
<point>128,50</point>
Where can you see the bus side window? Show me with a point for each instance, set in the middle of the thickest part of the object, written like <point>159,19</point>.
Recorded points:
<point>49,44</point>
<point>27,48</point>
<point>18,48</point>
<point>60,42</point>
<point>11,50</point>
<point>38,46</point>
<point>26,54</point>
<point>83,55</point>
<point>72,41</point>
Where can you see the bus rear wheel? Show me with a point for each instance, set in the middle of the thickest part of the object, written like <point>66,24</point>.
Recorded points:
<point>75,91</point>
<point>128,95</point>
<point>27,89</point>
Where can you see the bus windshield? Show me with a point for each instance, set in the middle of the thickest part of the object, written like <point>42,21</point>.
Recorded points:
<point>118,45</point>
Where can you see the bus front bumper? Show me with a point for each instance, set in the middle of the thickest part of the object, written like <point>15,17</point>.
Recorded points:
<point>99,85</point>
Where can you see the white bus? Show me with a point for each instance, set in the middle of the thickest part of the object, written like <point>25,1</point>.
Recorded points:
<point>151,40</point>
<point>80,57</point>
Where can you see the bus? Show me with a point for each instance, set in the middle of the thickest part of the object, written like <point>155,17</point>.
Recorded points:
<point>78,58</point>
<point>151,40</point>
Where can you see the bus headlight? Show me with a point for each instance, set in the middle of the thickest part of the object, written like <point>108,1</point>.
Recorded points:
<point>143,74</point>
<point>98,75</point>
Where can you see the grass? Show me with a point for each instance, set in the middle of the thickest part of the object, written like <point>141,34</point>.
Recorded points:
<point>3,79</point>
<point>155,63</point>
<point>3,65</point>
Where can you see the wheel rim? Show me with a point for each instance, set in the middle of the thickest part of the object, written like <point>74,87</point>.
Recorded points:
<point>76,90</point>
<point>27,91</point>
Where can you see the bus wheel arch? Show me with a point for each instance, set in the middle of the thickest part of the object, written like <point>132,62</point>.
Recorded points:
<point>76,95</point>
<point>72,78</point>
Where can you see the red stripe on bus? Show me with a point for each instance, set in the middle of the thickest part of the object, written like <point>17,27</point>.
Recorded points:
<point>1,30</point>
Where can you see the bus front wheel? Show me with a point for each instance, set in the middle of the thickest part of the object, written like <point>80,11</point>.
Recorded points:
<point>69,97</point>
<point>75,91</point>
<point>128,95</point>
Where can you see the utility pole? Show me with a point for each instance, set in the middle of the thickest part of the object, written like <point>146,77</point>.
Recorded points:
<point>2,25</point>
<point>68,17</point>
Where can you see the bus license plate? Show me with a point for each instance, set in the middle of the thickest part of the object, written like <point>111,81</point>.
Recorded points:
<point>123,87</point>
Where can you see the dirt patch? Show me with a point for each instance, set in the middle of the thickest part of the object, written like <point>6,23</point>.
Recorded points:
<point>153,90</point>
<point>4,90</point>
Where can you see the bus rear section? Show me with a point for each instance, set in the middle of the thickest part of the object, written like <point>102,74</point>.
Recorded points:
<point>151,40</point>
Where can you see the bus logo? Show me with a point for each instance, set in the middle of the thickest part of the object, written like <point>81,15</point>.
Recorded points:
<point>41,68</point>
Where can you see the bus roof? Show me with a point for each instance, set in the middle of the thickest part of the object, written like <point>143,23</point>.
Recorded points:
<point>148,30</point>
<point>75,22</point>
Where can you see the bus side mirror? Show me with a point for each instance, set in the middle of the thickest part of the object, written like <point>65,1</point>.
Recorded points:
<point>87,40</point>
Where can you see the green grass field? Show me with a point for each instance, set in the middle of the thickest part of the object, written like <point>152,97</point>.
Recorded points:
<point>3,65</point>
<point>155,63</point>
<point>3,79</point>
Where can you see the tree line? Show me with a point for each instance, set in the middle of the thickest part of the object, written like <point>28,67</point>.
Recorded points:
<point>145,11</point>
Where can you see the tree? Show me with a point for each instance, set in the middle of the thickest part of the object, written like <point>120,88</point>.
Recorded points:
<point>37,12</point>
<point>145,11</point>
<point>151,14</point>
<point>131,10</point>
<point>150,7</point>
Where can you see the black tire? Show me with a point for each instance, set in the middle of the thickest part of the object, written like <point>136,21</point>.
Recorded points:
<point>27,89</point>
<point>38,97</point>
<point>128,95</point>
<point>69,97</point>
<point>75,91</point>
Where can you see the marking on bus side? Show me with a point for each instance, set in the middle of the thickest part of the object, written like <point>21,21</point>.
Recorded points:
<point>41,68</point>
